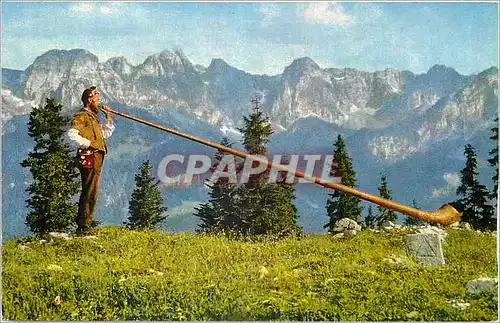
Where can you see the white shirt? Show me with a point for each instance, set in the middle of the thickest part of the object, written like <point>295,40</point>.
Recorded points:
<point>81,142</point>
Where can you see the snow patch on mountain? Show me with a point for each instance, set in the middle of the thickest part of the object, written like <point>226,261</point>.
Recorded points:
<point>391,148</point>
<point>231,132</point>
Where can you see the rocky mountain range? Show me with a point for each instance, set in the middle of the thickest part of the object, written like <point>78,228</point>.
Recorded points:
<point>395,122</point>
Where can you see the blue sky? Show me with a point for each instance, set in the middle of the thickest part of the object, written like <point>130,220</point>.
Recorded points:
<point>261,37</point>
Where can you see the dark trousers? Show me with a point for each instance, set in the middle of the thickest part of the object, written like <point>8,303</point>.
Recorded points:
<point>88,197</point>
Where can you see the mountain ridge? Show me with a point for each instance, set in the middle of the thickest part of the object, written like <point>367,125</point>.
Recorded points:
<point>153,68</point>
<point>221,93</point>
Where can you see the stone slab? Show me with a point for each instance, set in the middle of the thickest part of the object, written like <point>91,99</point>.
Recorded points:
<point>425,248</point>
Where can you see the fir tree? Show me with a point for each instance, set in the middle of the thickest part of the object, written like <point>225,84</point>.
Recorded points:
<point>256,132</point>
<point>411,220</point>
<point>219,213</point>
<point>264,208</point>
<point>341,205</point>
<point>385,214</point>
<point>279,214</point>
<point>494,160</point>
<point>473,196</point>
<point>145,207</point>
<point>370,218</point>
<point>54,172</point>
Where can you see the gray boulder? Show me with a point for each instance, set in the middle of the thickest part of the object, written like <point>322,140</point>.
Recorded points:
<point>481,285</point>
<point>345,224</point>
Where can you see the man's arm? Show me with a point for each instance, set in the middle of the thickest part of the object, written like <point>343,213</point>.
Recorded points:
<point>108,127</point>
<point>80,141</point>
<point>74,132</point>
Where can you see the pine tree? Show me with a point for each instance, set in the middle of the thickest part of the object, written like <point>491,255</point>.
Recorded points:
<point>494,160</point>
<point>473,196</point>
<point>341,205</point>
<point>385,214</point>
<point>145,207</point>
<point>370,218</point>
<point>54,172</point>
<point>279,213</point>
<point>256,132</point>
<point>219,213</point>
<point>264,208</point>
<point>411,220</point>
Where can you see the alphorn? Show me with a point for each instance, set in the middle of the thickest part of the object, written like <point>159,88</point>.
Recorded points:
<point>446,214</point>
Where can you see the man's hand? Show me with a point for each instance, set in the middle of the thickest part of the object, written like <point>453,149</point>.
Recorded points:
<point>106,109</point>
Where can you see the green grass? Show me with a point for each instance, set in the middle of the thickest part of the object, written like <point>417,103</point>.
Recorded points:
<point>126,275</point>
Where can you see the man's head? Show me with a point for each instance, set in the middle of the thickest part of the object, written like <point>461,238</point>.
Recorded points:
<point>90,98</point>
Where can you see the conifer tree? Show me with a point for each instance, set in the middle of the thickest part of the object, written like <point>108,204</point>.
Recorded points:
<point>411,220</point>
<point>341,205</point>
<point>370,218</point>
<point>473,196</point>
<point>279,214</point>
<point>54,172</point>
<point>385,214</point>
<point>256,132</point>
<point>219,213</point>
<point>263,208</point>
<point>146,204</point>
<point>494,160</point>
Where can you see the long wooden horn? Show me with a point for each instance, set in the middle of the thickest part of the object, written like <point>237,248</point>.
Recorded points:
<point>446,214</point>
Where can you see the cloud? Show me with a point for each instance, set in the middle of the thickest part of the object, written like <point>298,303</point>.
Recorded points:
<point>452,182</point>
<point>13,106</point>
<point>111,8</point>
<point>452,179</point>
<point>327,13</point>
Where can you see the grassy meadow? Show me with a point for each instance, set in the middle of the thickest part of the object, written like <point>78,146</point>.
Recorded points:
<point>128,275</point>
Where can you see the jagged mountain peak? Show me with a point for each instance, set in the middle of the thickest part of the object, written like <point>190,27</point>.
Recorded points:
<point>387,71</point>
<point>175,57</point>
<point>301,65</point>
<point>172,58</point>
<point>67,55</point>
<point>165,63</point>
<point>218,64</point>
<point>120,65</point>
<point>303,62</point>
<point>488,73</point>
<point>438,70</point>
<point>120,59</point>
<point>60,73</point>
